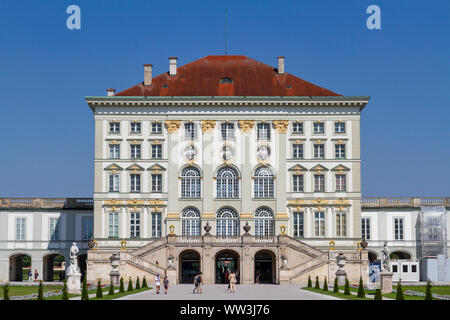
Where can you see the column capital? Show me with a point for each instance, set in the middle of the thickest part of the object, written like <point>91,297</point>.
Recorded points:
<point>173,125</point>
<point>246,125</point>
<point>281,125</point>
<point>208,125</point>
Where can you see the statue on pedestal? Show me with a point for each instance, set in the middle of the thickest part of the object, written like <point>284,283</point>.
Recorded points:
<point>74,274</point>
<point>385,259</point>
<point>73,268</point>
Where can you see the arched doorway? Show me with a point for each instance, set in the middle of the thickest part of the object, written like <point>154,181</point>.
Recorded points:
<point>399,255</point>
<point>54,267</point>
<point>82,265</point>
<point>227,261</point>
<point>19,265</point>
<point>265,266</point>
<point>189,266</point>
<point>373,257</point>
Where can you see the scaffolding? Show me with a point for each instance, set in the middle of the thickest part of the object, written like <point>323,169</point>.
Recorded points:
<point>433,232</point>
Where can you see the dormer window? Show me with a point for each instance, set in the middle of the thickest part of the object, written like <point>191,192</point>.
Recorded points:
<point>226,80</point>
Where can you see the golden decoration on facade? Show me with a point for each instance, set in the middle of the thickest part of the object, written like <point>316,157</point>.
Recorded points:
<point>113,201</point>
<point>298,202</point>
<point>281,125</point>
<point>319,208</point>
<point>113,208</point>
<point>341,201</point>
<point>173,125</point>
<point>283,229</point>
<point>156,202</point>
<point>135,202</point>
<point>123,245</point>
<point>208,125</point>
<point>332,244</point>
<point>135,141</point>
<point>246,125</point>
<point>172,229</point>
<point>358,245</point>
<point>114,141</point>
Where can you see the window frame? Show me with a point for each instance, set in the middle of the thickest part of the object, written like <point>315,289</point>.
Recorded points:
<point>115,125</point>
<point>135,124</point>
<point>320,124</point>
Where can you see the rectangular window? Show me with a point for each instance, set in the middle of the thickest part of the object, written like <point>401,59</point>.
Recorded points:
<point>114,127</point>
<point>339,151</point>
<point>156,151</point>
<point>297,127</point>
<point>319,127</point>
<point>54,229</point>
<point>135,183</point>
<point>87,227</point>
<point>297,180</point>
<point>114,151</point>
<point>413,268</point>
<point>114,182</point>
<point>394,268</point>
<point>113,224</point>
<point>156,183</point>
<point>298,224</point>
<point>135,127</point>
<point>227,131</point>
<point>20,228</point>
<point>404,268</point>
<point>319,224</point>
<point>135,224</point>
<point>156,224</point>
<point>319,151</point>
<point>341,182</point>
<point>136,151</point>
<point>263,131</point>
<point>339,127</point>
<point>297,151</point>
<point>189,131</point>
<point>365,228</point>
<point>398,228</point>
<point>156,127</point>
<point>341,225</point>
<point>319,182</point>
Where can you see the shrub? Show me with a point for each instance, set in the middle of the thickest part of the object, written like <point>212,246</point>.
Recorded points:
<point>6,292</point>
<point>99,293</point>
<point>377,295</point>
<point>65,294</point>
<point>84,291</point>
<point>347,287</point>
<point>122,287</point>
<point>309,282</point>
<point>41,291</point>
<point>399,295</point>
<point>336,287</point>
<point>130,285</point>
<point>138,285</point>
<point>361,293</point>
<point>325,285</point>
<point>111,289</point>
<point>428,295</point>
<point>317,286</point>
<point>144,283</point>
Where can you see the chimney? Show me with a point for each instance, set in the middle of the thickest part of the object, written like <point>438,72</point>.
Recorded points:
<point>110,92</point>
<point>173,66</point>
<point>280,65</point>
<point>148,74</point>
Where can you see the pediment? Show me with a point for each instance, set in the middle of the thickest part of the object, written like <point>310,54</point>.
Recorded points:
<point>318,167</point>
<point>156,167</point>
<point>340,168</point>
<point>112,167</point>
<point>135,167</point>
<point>297,167</point>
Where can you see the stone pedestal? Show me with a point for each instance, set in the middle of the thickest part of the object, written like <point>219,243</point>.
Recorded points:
<point>284,276</point>
<point>172,276</point>
<point>74,283</point>
<point>385,282</point>
<point>115,278</point>
<point>341,275</point>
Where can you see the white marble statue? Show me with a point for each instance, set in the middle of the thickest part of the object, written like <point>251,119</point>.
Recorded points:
<point>385,261</point>
<point>73,268</point>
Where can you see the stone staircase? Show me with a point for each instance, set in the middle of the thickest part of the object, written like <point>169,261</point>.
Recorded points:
<point>149,248</point>
<point>142,263</point>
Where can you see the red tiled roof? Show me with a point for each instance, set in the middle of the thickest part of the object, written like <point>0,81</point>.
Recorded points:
<point>249,78</point>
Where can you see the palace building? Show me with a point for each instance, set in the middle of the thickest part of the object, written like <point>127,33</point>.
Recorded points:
<point>223,163</point>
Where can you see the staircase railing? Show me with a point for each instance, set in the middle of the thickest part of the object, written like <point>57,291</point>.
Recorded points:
<point>303,267</point>
<point>303,247</point>
<point>148,247</point>
<point>144,264</point>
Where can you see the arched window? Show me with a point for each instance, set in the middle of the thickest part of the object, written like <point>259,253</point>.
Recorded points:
<point>227,222</point>
<point>190,222</point>
<point>227,183</point>
<point>264,222</point>
<point>263,185</point>
<point>190,183</point>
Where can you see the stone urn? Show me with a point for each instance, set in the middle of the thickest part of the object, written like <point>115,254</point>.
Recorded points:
<point>207,228</point>
<point>247,228</point>
<point>340,273</point>
<point>364,243</point>
<point>115,273</point>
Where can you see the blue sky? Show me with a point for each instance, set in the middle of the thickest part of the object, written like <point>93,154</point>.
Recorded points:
<point>46,70</point>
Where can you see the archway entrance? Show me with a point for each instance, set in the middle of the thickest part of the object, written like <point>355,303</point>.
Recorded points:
<point>264,267</point>
<point>54,267</point>
<point>227,261</point>
<point>189,266</point>
<point>19,265</point>
<point>399,255</point>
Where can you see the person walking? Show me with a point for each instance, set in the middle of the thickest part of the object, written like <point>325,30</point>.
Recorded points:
<point>227,276</point>
<point>257,277</point>
<point>200,283</point>
<point>232,281</point>
<point>195,283</point>
<point>166,284</point>
<point>157,283</point>
<point>30,275</point>
<point>36,275</point>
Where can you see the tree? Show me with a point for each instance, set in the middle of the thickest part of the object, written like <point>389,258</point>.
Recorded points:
<point>428,295</point>
<point>99,293</point>
<point>6,292</point>
<point>399,295</point>
<point>121,287</point>
<point>84,291</point>
<point>138,285</point>
<point>361,293</point>
<point>377,295</point>
<point>317,286</point>
<point>325,285</point>
<point>309,282</point>
<point>347,287</point>
<point>41,291</point>
<point>144,283</point>
<point>111,289</point>
<point>130,285</point>
<point>336,287</point>
<point>65,294</point>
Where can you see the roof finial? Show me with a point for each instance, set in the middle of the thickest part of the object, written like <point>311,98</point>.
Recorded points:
<point>226,16</point>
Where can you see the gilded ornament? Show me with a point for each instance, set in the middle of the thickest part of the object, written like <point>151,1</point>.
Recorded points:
<point>246,125</point>
<point>208,125</point>
<point>281,125</point>
<point>173,125</point>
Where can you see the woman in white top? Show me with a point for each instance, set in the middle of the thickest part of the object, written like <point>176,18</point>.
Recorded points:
<point>157,283</point>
